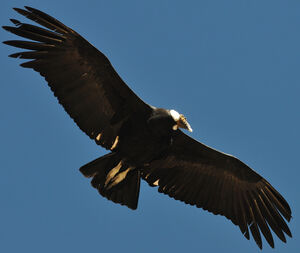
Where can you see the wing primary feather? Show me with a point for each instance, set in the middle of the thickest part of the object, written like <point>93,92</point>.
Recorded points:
<point>33,55</point>
<point>266,213</point>
<point>253,223</point>
<point>47,17</point>
<point>41,21</point>
<point>246,211</point>
<point>236,212</point>
<point>15,21</point>
<point>277,218</point>
<point>30,64</point>
<point>260,219</point>
<point>31,35</point>
<point>245,215</point>
<point>283,202</point>
<point>285,212</point>
<point>38,30</point>
<point>241,216</point>
<point>30,45</point>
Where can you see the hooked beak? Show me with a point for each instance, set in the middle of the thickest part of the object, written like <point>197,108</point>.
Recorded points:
<point>182,123</point>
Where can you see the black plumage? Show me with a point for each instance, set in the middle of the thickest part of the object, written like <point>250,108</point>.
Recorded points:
<point>144,141</point>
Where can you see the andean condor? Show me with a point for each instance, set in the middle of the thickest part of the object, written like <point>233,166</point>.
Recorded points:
<point>145,141</point>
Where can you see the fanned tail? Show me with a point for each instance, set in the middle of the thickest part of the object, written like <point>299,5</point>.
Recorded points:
<point>114,180</point>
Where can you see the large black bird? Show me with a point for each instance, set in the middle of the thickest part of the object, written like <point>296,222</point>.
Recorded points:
<point>145,141</point>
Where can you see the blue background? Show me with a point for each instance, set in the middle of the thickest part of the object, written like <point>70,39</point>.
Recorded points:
<point>232,67</point>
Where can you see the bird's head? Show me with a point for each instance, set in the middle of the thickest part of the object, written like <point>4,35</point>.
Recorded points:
<point>180,121</point>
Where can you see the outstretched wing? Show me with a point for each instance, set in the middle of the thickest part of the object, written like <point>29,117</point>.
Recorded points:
<point>80,76</point>
<point>222,184</point>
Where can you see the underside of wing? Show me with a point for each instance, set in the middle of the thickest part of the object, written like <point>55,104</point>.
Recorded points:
<point>222,184</point>
<point>80,76</point>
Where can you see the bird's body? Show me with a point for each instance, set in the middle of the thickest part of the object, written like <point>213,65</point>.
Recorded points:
<point>144,142</point>
<point>130,156</point>
<point>155,130</point>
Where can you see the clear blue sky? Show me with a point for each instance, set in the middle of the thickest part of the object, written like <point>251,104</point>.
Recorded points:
<point>232,67</point>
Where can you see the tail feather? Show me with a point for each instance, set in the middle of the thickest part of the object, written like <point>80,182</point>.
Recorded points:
<point>114,180</point>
